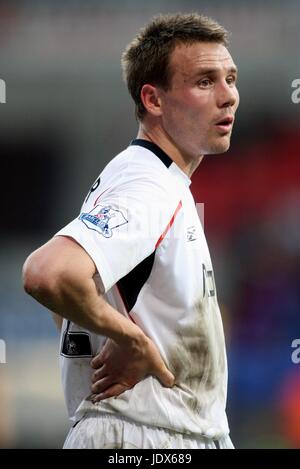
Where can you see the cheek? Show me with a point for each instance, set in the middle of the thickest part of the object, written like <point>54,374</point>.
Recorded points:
<point>178,111</point>
<point>201,108</point>
<point>187,112</point>
<point>237,98</point>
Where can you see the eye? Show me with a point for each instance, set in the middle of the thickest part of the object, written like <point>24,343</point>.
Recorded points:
<point>231,80</point>
<point>204,82</point>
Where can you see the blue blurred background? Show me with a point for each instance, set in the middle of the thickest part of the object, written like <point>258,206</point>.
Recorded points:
<point>68,113</point>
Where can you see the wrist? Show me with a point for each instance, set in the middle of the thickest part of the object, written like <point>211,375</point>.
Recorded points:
<point>136,340</point>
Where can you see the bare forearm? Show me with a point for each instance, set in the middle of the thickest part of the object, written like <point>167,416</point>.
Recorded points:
<point>60,275</point>
<point>80,302</point>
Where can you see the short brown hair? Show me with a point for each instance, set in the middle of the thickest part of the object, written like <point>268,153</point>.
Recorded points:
<point>146,58</point>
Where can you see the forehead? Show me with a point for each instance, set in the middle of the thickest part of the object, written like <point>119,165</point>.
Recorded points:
<point>187,59</point>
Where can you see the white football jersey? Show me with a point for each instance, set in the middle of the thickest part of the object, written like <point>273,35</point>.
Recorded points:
<point>140,226</point>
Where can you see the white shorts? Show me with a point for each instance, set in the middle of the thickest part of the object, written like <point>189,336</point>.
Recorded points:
<point>107,431</point>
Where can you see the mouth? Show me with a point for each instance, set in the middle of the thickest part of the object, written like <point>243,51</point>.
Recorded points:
<point>225,125</point>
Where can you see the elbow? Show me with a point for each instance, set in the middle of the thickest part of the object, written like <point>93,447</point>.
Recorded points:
<point>36,280</point>
<point>55,273</point>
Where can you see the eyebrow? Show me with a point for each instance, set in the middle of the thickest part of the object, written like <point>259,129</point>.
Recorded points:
<point>209,70</point>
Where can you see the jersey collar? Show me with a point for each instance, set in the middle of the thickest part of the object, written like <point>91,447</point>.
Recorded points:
<point>164,158</point>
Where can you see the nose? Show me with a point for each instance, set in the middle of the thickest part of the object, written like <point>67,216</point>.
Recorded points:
<point>228,96</point>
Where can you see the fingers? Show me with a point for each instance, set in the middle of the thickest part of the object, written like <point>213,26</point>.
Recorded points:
<point>166,378</point>
<point>99,374</point>
<point>113,391</point>
<point>101,358</point>
<point>101,385</point>
<point>97,361</point>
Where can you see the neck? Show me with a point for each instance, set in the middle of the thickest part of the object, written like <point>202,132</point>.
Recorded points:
<point>155,134</point>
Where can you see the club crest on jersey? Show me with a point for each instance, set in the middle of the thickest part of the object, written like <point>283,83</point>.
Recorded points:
<point>103,219</point>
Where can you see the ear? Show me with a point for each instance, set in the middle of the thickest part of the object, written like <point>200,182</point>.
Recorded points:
<point>151,100</point>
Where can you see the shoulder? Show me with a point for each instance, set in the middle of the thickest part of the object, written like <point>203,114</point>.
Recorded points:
<point>137,167</point>
<point>138,159</point>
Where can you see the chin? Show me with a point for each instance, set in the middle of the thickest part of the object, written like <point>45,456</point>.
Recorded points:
<point>217,150</point>
<point>219,147</point>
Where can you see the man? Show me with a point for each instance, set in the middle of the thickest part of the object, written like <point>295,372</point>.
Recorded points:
<point>132,275</point>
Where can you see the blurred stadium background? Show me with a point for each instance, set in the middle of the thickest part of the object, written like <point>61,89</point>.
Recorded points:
<point>68,113</point>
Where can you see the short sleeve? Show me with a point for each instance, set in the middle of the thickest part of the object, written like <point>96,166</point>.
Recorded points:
<point>122,227</point>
